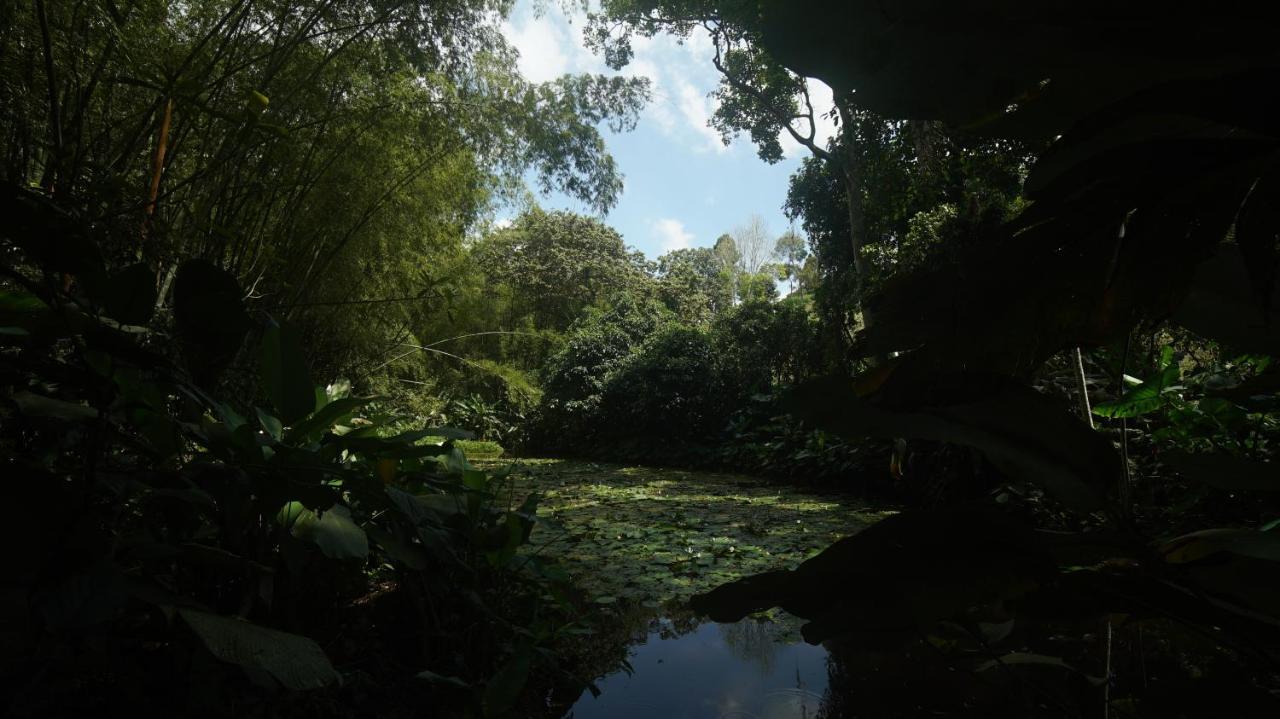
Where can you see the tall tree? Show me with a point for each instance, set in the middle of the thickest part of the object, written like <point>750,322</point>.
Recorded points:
<point>757,94</point>
<point>695,283</point>
<point>791,251</point>
<point>330,153</point>
<point>555,265</point>
<point>754,245</point>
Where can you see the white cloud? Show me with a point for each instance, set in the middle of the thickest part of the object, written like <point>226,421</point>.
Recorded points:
<point>541,44</point>
<point>672,234</point>
<point>680,72</point>
<point>696,108</point>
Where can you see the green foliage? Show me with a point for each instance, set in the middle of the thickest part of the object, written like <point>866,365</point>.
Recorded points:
<point>668,389</point>
<point>332,155</point>
<point>556,265</point>
<point>1124,211</point>
<point>575,378</point>
<point>640,384</point>
<point>254,532</point>
<point>697,283</point>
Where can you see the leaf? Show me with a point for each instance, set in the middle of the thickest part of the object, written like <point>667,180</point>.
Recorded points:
<point>1026,435</point>
<point>210,318</point>
<point>1147,397</point>
<point>338,389</point>
<point>504,687</point>
<point>1205,543</point>
<point>333,532</point>
<point>1256,233</point>
<point>1221,305</point>
<point>336,411</point>
<point>1026,658</point>
<point>84,599</point>
<point>1225,471</point>
<point>35,405</point>
<point>20,312</point>
<point>407,554</point>
<point>434,678</point>
<point>129,296</point>
<point>285,375</point>
<point>270,423</point>
<point>295,661</point>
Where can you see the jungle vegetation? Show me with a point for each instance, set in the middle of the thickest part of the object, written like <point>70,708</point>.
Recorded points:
<point>258,327</point>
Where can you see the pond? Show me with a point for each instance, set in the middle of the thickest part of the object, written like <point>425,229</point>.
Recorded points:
<point>745,670</point>
<point>641,540</point>
<point>654,537</point>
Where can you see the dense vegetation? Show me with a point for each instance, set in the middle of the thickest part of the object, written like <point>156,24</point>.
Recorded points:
<point>255,313</point>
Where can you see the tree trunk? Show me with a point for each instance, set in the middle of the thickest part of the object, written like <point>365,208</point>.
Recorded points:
<point>851,171</point>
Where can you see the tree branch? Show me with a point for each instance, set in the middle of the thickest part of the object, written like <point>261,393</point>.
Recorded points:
<point>742,86</point>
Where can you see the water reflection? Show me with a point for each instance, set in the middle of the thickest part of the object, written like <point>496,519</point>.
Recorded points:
<point>744,670</point>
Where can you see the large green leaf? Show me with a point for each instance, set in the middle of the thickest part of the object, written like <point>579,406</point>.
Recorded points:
<point>1147,397</point>
<point>295,661</point>
<point>332,530</point>
<point>285,375</point>
<point>35,405</point>
<point>334,412</point>
<point>1208,542</point>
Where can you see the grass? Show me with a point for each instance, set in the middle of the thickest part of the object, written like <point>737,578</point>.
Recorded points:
<point>479,448</point>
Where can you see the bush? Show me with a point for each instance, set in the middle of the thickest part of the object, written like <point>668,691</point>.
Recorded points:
<point>574,381</point>
<point>670,389</point>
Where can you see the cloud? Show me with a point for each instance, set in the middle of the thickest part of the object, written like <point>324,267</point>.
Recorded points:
<point>680,72</point>
<point>672,235</point>
<point>697,108</point>
<point>541,44</point>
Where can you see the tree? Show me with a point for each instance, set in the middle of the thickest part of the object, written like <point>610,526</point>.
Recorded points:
<point>695,284</point>
<point>726,251</point>
<point>1129,222</point>
<point>790,248</point>
<point>755,247</point>
<point>330,154</point>
<point>757,94</point>
<point>555,265</point>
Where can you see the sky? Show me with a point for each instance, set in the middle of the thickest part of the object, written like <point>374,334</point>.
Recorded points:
<point>683,186</point>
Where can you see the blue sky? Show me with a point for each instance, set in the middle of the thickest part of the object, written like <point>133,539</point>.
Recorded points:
<point>684,187</point>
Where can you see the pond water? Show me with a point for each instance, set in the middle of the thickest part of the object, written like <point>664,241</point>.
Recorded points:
<point>746,670</point>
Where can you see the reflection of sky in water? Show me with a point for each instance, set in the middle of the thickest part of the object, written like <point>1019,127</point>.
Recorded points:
<point>718,671</point>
